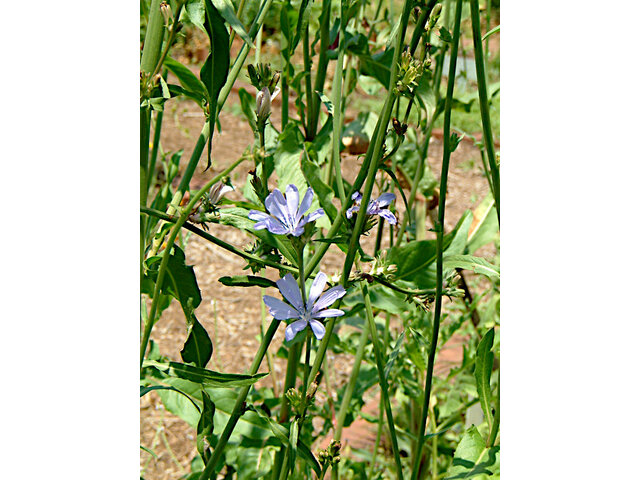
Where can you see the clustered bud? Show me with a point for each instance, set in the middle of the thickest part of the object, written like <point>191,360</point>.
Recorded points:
<point>409,74</point>
<point>331,455</point>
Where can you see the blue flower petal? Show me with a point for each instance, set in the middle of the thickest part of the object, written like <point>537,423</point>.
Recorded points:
<point>328,298</point>
<point>318,328</point>
<point>306,203</point>
<point>292,329</point>
<point>277,206</point>
<point>316,289</point>
<point>290,290</point>
<point>275,226</point>
<point>293,198</point>
<point>385,199</point>
<point>329,312</point>
<point>279,309</point>
<point>388,216</point>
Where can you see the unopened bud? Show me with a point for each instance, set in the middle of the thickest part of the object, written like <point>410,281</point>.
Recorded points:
<point>253,76</point>
<point>274,82</point>
<point>263,104</point>
<point>166,13</point>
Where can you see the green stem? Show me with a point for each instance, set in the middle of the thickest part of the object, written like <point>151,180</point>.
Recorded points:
<point>157,130</point>
<point>144,154</point>
<point>165,257</point>
<point>337,110</point>
<point>152,39</point>
<point>242,54</point>
<point>348,393</point>
<point>238,407</point>
<point>172,35</point>
<point>416,180</point>
<point>367,171</point>
<point>306,58</point>
<point>484,102</point>
<point>321,72</point>
<point>439,238</point>
<point>353,379</point>
<point>217,241</point>
<point>285,408</point>
<point>383,381</point>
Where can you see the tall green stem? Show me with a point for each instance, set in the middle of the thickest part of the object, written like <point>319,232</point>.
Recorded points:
<point>321,72</point>
<point>439,238</point>
<point>306,58</point>
<point>348,393</point>
<point>383,381</point>
<point>238,407</point>
<point>484,102</point>
<point>337,109</point>
<point>371,160</point>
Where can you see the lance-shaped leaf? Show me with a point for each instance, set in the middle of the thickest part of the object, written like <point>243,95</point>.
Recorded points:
<point>484,365</point>
<point>216,67</point>
<point>246,281</point>
<point>225,8</point>
<point>204,376</point>
<point>190,83</point>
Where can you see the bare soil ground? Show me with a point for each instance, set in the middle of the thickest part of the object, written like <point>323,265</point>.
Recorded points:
<point>237,325</point>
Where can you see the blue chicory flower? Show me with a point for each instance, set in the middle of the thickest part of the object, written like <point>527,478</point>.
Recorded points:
<point>286,216</point>
<point>316,306</point>
<point>375,207</point>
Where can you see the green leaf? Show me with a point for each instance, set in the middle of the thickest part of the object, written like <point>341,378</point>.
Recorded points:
<point>198,347</point>
<point>187,79</point>
<point>253,463</point>
<point>484,366</point>
<point>327,102</point>
<point>322,191</point>
<point>378,66</point>
<point>475,264</point>
<point>145,390</point>
<point>416,260</point>
<point>225,8</point>
<point>282,434</point>
<point>205,426</point>
<point>204,376</point>
<point>216,67</point>
<point>393,356</point>
<point>246,281</point>
<point>484,228</point>
<point>179,282</point>
<point>248,105</point>
<point>473,460</point>
<point>195,12</point>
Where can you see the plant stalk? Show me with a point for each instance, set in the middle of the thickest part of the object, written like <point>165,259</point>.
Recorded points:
<point>439,239</point>
<point>484,102</point>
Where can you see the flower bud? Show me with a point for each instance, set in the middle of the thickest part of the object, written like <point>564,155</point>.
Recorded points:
<point>166,13</point>
<point>263,104</point>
